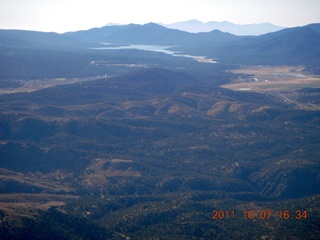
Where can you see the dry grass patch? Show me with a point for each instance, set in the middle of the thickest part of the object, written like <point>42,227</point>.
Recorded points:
<point>26,205</point>
<point>275,78</point>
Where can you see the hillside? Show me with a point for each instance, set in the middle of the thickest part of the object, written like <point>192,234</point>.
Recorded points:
<point>155,145</point>
<point>37,40</point>
<point>100,143</point>
<point>288,46</point>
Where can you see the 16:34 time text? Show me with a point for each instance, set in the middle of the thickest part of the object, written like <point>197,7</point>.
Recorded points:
<point>261,214</point>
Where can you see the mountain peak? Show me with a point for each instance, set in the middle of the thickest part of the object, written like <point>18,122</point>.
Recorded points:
<point>153,25</point>
<point>193,21</point>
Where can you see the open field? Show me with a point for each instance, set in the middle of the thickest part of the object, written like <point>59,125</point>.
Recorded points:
<point>24,204</point>
<point>37,84</point>
<point>272,78</point>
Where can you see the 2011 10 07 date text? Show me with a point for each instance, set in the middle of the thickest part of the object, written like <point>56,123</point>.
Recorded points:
<point>261,214</point>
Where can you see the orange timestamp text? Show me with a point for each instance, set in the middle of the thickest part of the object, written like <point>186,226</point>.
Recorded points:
<point>261,214</point>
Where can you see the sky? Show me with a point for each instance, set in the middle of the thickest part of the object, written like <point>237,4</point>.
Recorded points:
<point>72,15</point>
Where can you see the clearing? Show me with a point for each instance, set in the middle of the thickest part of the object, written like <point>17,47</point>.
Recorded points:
<point>272,78</point>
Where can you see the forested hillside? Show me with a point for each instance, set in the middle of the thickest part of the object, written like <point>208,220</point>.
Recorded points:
<point>139,144</point>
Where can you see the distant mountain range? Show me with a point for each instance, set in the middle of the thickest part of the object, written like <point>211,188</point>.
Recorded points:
<point>195,26</point>
<point>299,45</point>
<point>150,33</point>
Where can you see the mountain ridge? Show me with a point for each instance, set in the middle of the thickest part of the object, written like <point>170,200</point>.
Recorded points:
<point>196,26</point>
<point>298,45</point>
<point>37,39</point>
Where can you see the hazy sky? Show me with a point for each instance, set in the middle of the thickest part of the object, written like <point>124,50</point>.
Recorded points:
<point>69,15</point>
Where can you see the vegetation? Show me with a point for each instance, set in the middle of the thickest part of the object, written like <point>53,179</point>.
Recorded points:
<point>149,146</point>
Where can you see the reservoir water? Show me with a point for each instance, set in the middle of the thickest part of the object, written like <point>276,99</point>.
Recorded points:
<point>155,48</point>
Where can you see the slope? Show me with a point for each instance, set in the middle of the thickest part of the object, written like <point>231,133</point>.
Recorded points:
<point>289,46</point>
<point>153,153</point>
<point>38,40</point>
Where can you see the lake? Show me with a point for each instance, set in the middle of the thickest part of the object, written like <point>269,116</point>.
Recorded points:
<point>155,48</point>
